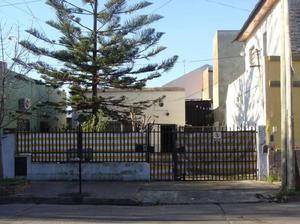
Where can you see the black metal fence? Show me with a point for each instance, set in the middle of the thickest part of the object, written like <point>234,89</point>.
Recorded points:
<point>187,154</point>
<point>203,153</point>
<point>62,146</point>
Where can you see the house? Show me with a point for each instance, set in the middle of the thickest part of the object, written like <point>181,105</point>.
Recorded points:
<point>228,64</point>
<point>29,104</point>
<point>198,86</point>
<point>254,97</point>
<point>170,110</point>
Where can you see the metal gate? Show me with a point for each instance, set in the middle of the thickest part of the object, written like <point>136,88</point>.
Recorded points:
<point>202,154</point>
<point>185,154</point>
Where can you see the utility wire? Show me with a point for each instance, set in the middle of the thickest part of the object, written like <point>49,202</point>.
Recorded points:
<point>19,3</point>
<point>162,6</point>
<point>227,5</point>
<point>178,62</point>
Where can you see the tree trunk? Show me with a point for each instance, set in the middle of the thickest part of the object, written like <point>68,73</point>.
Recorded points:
<point>95,75</point>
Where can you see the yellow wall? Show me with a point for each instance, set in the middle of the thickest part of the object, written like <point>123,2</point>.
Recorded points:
<point>207,90</point>
<point>272,67</point>
<point>215,72</point>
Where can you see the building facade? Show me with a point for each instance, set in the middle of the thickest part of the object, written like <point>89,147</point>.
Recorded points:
<point>29,104</point>
<point>170,110</point>
<point>254,98</point>
<point>228,64</point>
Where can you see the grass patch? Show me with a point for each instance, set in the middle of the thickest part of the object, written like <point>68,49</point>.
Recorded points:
<point>270,179</point>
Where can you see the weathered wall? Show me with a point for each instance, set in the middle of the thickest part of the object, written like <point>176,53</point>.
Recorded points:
<point>228,65</point>
<point>90,171</point>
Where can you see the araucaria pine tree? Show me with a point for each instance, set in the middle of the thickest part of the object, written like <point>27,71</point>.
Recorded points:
<point>102,44</point>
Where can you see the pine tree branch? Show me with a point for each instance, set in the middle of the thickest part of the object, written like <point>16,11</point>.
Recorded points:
<point>81,9</point>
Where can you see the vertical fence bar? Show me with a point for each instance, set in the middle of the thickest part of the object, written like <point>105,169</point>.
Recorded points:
<point>223,154</point>
<point>214,155</point>
<point>236,154</point>
<point>244,153</point>
<point>79,148</point>
<point>228,155</point>
<point>254,154</point>
<point>231,163</point>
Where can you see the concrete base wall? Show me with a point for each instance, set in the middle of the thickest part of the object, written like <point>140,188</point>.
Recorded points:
<point>90,171</point>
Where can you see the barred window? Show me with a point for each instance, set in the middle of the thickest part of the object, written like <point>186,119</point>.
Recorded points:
<point>253,57</point>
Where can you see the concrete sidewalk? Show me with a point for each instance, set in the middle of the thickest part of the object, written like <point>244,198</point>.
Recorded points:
<point>144,193</point>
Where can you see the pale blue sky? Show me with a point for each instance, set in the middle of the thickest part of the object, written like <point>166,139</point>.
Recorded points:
<point>189,26</point>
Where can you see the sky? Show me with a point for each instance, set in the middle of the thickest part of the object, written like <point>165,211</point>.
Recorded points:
<point>189,27</point>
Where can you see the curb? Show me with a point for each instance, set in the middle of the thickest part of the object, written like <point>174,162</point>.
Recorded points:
<point>67,201</point>
<point>116,202</point>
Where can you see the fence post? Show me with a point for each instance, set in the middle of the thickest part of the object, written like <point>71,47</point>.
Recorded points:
<point>7,151</point>
<point>174,154</point>
<point>79,152</point>
<point>148,133</point>
<point>262,154</point>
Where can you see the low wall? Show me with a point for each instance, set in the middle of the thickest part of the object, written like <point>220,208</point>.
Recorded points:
<point>275,163</point>
<point>8,155</point>
<point>90,171</point>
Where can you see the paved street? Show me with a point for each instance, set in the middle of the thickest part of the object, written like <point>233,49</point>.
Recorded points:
<point>210,213</point>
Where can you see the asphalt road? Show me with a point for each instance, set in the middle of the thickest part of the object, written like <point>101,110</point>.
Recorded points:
<point>205,213</point>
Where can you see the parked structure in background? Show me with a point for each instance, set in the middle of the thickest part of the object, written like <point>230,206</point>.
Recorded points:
<point>29,105</point>
<point>254,98</point>
<point>228,64</point>
<point>198,95</point>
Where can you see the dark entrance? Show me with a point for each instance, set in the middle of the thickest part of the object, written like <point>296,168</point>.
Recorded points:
<point>168,137</point>
<point>199,113</point>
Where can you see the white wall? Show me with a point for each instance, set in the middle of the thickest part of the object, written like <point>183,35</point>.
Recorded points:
<point>246,95</point>
<point>90,171</point>
<point>172,111</point>
<point>245,101</point>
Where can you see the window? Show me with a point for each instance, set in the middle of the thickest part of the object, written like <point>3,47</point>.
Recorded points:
<point>253,57</point>
<point>23,125</point>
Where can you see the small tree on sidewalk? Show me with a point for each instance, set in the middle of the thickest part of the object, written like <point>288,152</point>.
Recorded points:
<point>98,49</point>
<point>11,51</point>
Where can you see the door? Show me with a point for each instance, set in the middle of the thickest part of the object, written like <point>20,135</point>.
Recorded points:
<point>168,138</point>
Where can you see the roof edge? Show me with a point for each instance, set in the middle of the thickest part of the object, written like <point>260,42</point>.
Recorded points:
<point>259,6</point>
